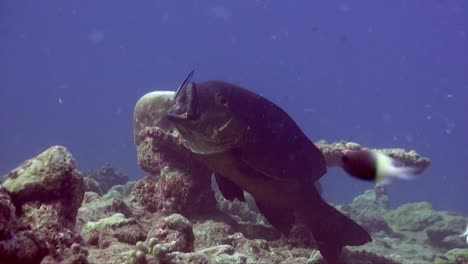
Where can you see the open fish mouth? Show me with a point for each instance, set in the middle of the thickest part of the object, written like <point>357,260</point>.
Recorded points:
<point>185,102</point>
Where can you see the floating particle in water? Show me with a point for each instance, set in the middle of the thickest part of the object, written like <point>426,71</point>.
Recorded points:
<point>96,37</point>
<point>387,117</point>
<point>449,125</point>
<point>409,138</point>
<point>165,18</point>
<point>220,12</point>
<point>343,38</point>
<point>344,7</point>
<point>428,106</point>
<point>371,28</point>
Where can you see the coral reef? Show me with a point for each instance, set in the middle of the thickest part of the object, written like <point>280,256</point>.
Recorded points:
<point>118,228</point>
<point>174,239</point>
<point>102,180</point>
<point>454,256</point>
<point>414,217</point>
<point>171,234</point>
<point>369,209</point>
<point>411,233</point>
<point>182,184</point>
<point>114,201</point>
<point>115,228</point>
<point>177,215</point>
<point>40,201</point>
<point>91,185</point>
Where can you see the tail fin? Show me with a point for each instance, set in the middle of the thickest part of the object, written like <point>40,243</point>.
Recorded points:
<point>331,229</point>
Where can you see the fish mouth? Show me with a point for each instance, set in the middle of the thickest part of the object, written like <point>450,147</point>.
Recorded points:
<point>185,105</point>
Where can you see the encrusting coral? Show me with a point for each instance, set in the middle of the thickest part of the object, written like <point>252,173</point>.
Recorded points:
<point>46,192</point>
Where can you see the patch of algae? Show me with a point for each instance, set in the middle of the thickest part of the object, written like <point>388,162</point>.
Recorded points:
<point>170,174</point>
<point>31,175</point>
<point>145,151</point>
<point>454,256</point>
<point>115,220</point>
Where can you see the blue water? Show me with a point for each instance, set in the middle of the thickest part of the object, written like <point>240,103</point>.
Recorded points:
<point>381,73</point>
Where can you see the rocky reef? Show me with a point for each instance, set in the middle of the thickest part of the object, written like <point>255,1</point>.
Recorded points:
<point>101,180</point>
<point>46,217</point>
<point>51,213</point>
<point>39,202</point>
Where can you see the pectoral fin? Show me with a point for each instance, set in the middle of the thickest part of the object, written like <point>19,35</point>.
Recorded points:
<point>229,189</point>
<point>281,219</point>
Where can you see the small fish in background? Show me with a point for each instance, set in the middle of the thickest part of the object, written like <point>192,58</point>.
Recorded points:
<point>465,234</point>
<point>375,166</point>
<point>60,100</point>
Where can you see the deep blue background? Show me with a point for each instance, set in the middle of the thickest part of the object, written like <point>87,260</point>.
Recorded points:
<point>381,73</point>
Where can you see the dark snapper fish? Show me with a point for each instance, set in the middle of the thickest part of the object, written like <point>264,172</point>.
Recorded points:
<point>253,145</point>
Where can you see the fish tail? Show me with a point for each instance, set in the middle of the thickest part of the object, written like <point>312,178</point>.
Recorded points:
<point>331,229</point>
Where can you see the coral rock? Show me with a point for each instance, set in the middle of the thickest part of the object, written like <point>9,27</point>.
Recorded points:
<point>211,233</point>
<point>172,233</point>
<point>24,247</point>
<point>221,254</point>
<point>116,227</point>
<point>445,233</point>
<point>91,185</point>
<point>413,217</point>
<point>107,177</point>
<point>455,256</point>
<point>174,191</point>
<point>368,209</point>
<point>52,175</point>
<point>225,254</point>
<point>7,212</point>
<point>46,192</point>
<point>182,183</point>
<point>145,194</point>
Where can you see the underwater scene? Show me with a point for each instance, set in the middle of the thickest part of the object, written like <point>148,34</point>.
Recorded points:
<point>230,132</point>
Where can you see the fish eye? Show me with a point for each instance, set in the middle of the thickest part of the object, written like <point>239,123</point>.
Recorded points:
<point>221,100</point>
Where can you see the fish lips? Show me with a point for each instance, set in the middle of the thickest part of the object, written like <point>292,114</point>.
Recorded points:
<point>185,105</point>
